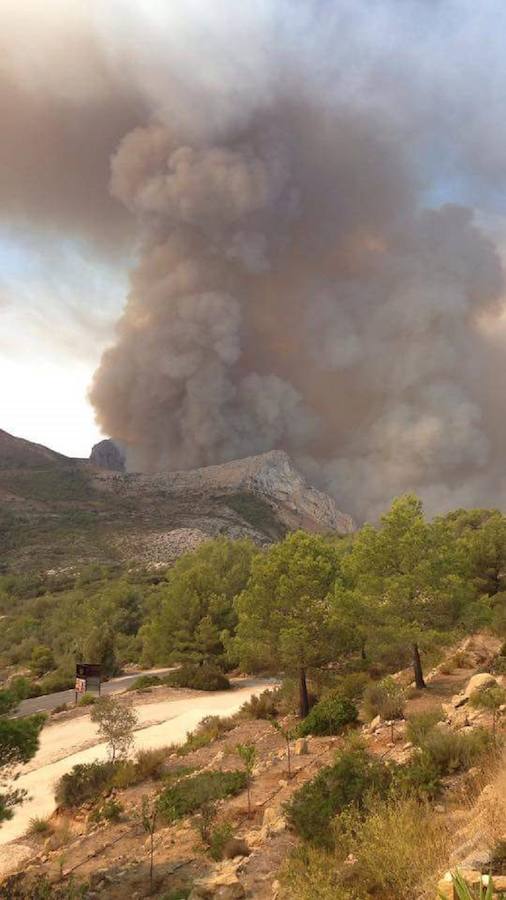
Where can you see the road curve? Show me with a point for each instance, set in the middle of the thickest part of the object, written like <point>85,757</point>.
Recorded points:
<point>66,743</point>
<point>47,702</point>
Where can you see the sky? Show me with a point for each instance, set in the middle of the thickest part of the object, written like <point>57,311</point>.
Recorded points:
<point>230,227</point>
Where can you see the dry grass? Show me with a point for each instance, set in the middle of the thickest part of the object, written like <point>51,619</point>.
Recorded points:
<point>399,848</point>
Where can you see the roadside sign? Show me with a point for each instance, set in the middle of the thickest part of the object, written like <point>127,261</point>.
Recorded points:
<point>88,678</point>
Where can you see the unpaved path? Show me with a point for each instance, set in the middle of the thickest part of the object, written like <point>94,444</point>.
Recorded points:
<point>64,744</point>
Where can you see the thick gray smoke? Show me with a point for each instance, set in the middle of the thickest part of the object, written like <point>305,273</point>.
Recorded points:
<point>291,293</point>
<point>310,274</point>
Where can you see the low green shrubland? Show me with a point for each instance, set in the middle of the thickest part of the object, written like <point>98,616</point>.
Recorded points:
<point>329,716</point>
<point>199,678</point>
<point>190,794</point>
<point>350,779</point>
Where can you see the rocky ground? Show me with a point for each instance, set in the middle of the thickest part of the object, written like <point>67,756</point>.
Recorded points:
<point>114,859</point>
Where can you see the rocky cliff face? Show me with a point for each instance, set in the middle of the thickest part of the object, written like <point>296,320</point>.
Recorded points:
<point>107,455</point>
<point>56,511</point>
<point>272,477</point>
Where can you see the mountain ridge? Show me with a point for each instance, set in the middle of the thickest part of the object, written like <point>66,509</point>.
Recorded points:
<point>58,511</point>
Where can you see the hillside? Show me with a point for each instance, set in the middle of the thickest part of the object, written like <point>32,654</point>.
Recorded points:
<point>56,511</point>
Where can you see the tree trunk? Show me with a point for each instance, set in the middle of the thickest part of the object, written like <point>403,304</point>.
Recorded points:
<point>303,696</point>
<point>363,654</point>
<point>417,668</point>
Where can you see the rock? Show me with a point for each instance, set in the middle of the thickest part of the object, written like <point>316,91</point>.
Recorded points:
<point>479,683</point>
<point>235,847</point>
<point>222,885</point>
<point>275,889</point>
<point>108,455</point>
<point>300,748</point>
<point>273,822</point>
<point>459,700</point>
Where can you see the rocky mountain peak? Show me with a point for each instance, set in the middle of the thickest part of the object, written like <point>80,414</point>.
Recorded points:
<point>108,455</point>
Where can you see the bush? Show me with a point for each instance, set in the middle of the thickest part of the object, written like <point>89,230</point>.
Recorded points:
<point>400,846</point>
<point>199,678</point>
<point>143,682</point>
<point>218,839</point>
<point>39,826</point>
<point>207,731</point>
<point>455,751</point>
<point>84,782</point>
<point>353,775</point>
<point>329,716</point>
<point>386,699</point>
<point>190,794</point>
<point>419,778</point>
<point>351,686</point>
<point>419,725</point>
<point>109,811</point>
<point>262,706</point>
<point>87,699</point>
<point>55,681</point>
<point>150,764</point>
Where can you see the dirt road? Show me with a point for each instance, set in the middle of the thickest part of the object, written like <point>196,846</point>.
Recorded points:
<point>64,744</point>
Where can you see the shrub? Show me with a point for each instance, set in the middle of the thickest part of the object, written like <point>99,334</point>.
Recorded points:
<point>400,846</point>
<point>351,686</point>
<point>199,678</point>
<point>39,826</point>
<point>190,794</point>
<point>84,782</point>
<point>420,778</point>
<point>387,699</point>
<point>419,725</point>
<point>58,680</point>
<point>353,775</point>
<point>125,774</point>
<point>218,839</point>
<point>329,716</point>
<point>62,707</point>
<point>109,811</point>
<point>150,764</point>
<point>454,751</point>
<point>87,699</point>
<point>498,665</point>
<point>143,682</point>
<point>262,706</point>
<point>207,731</point>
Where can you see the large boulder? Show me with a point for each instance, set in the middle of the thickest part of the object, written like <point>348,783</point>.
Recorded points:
<point>108,455</point>
<point>479,683</point>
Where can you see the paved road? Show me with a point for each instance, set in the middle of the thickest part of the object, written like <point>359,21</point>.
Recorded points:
<point>50,701</point>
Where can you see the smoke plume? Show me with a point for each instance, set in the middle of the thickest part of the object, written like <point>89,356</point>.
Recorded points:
<point>306,186</point>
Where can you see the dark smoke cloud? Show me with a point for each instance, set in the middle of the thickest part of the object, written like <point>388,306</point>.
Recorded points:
<point>300,178</point>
